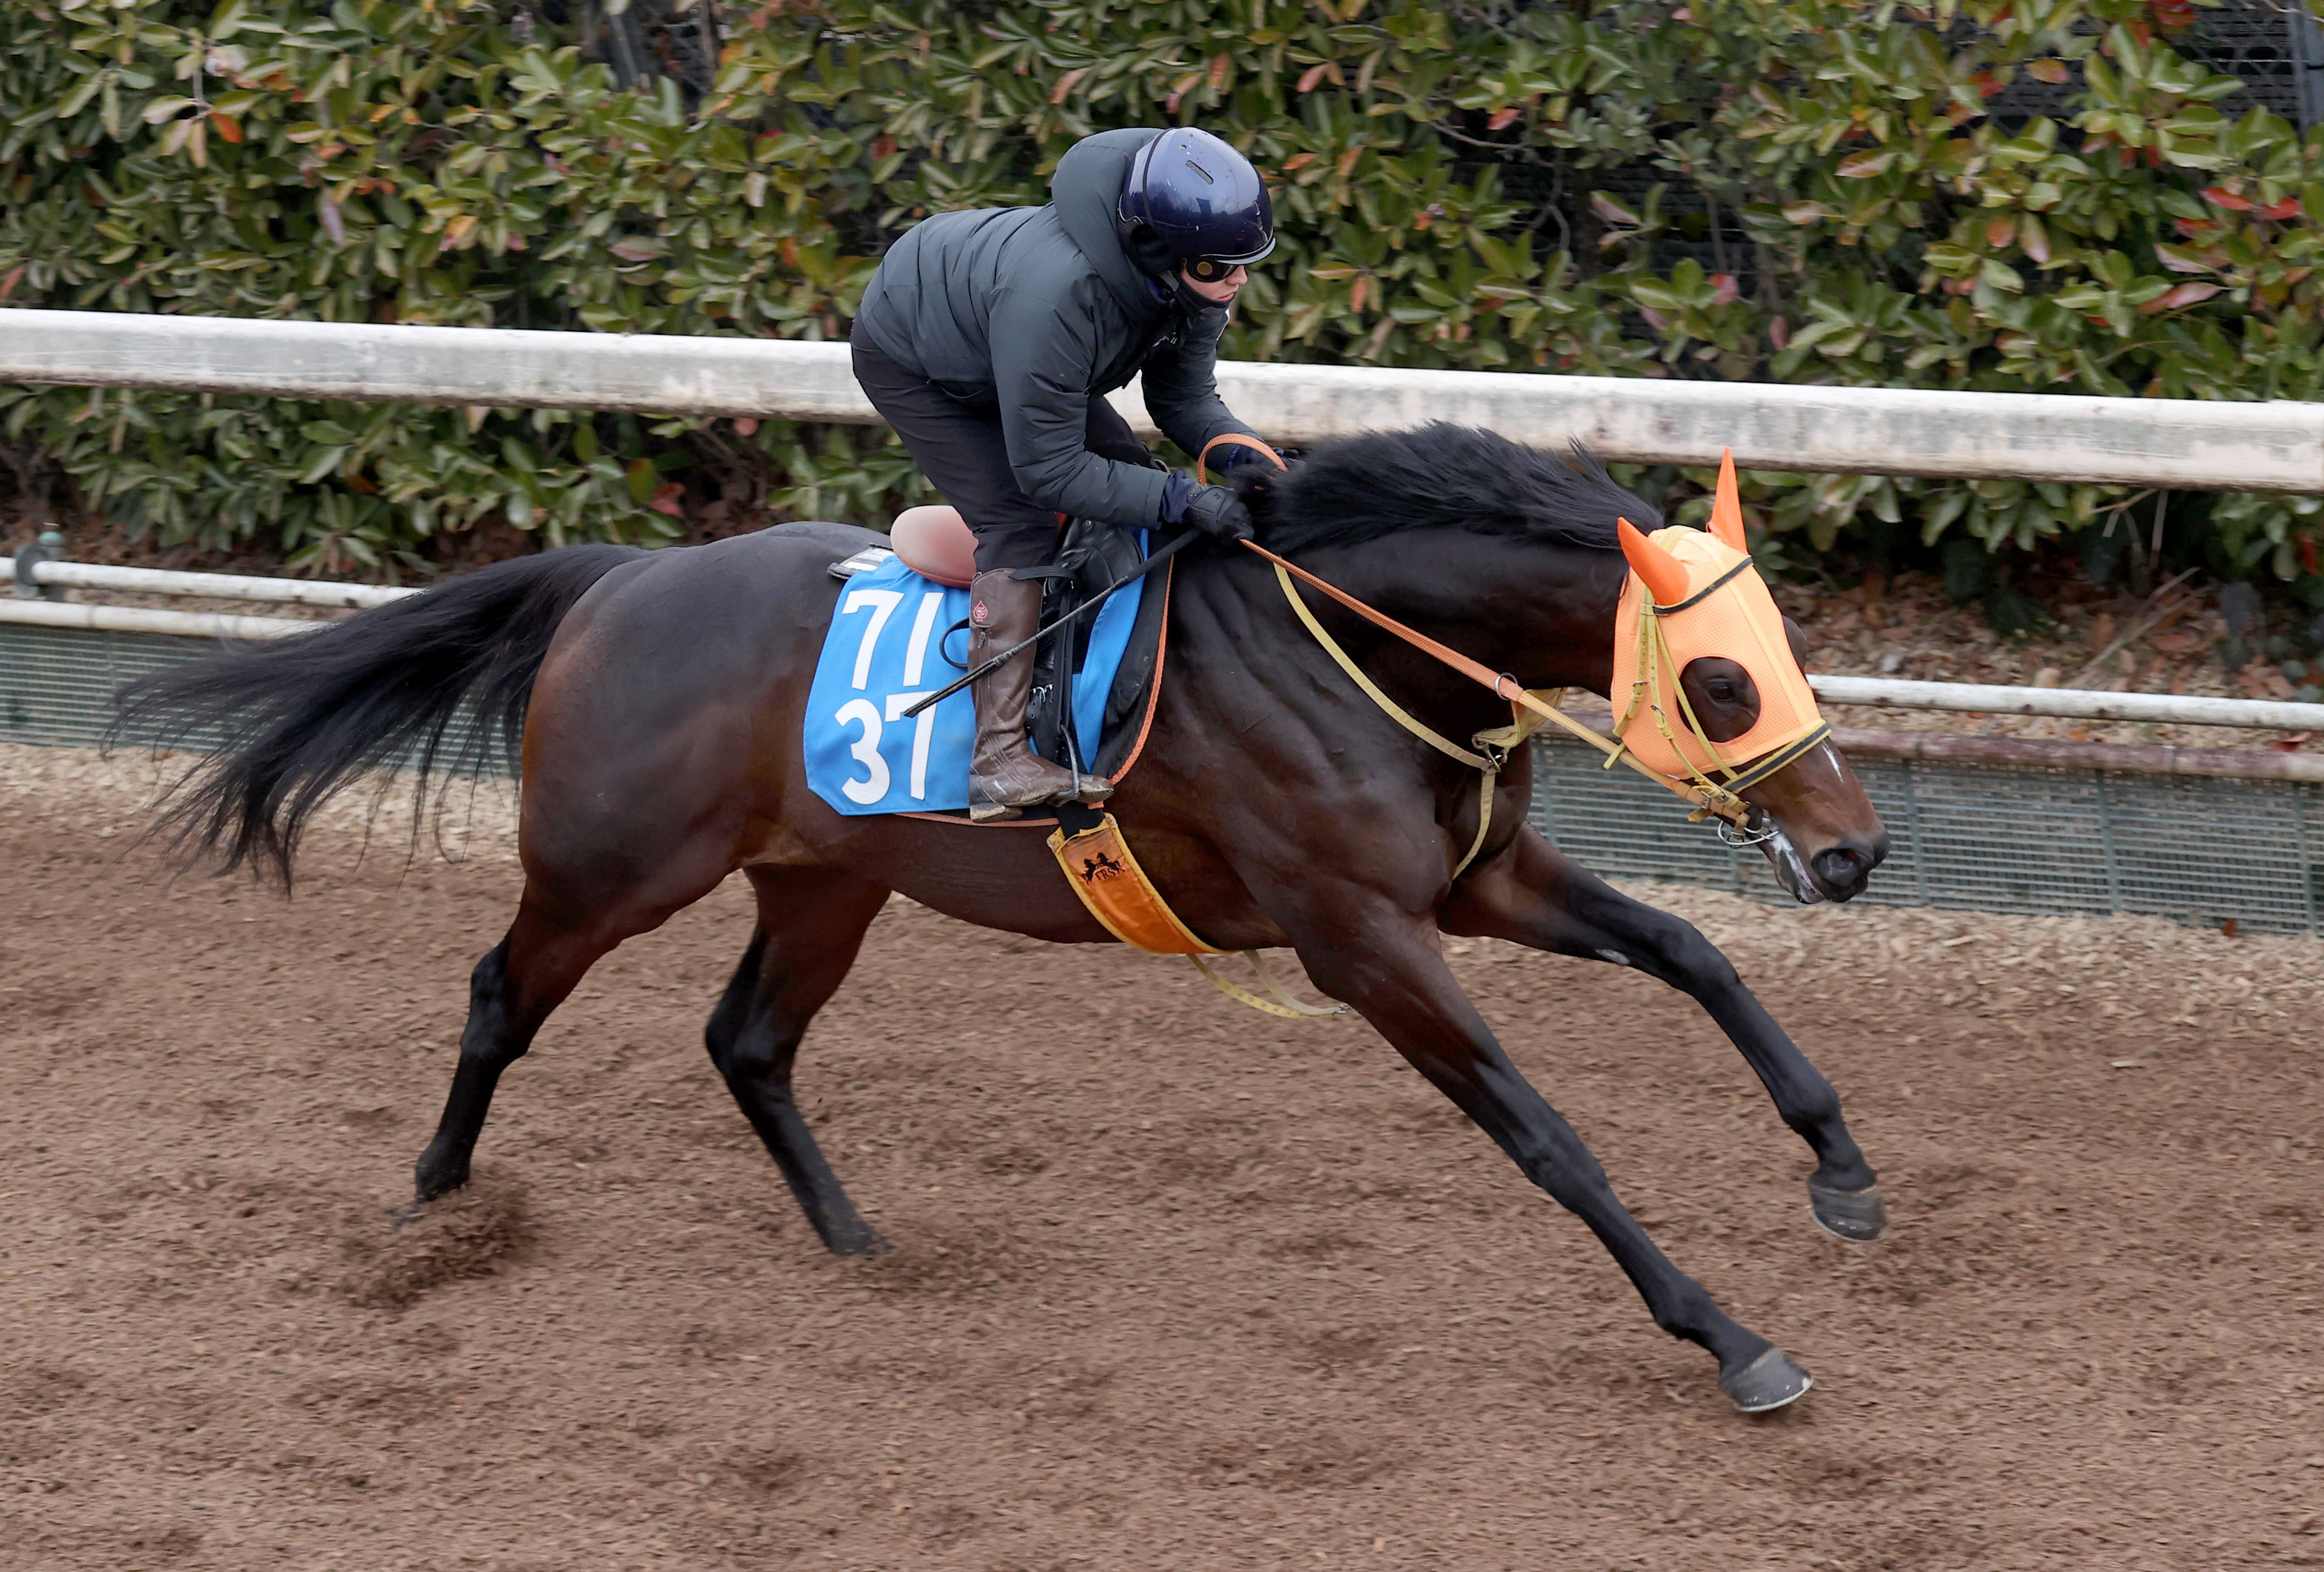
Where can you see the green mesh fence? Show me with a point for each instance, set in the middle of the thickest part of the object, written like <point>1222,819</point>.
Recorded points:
<point>1978,838</point>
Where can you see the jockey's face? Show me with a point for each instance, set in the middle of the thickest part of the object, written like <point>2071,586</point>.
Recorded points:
<point>1223,290</point>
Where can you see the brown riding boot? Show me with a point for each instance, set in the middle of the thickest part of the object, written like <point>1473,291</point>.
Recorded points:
<point>1005,776</point>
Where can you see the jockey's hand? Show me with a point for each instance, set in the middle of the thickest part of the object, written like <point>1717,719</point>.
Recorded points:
<point>1218,513</point>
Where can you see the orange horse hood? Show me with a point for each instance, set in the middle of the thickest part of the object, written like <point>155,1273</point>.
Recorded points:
<point>1710,601</point>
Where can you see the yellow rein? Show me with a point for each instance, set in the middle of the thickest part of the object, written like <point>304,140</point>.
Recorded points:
<point>1709,798</point>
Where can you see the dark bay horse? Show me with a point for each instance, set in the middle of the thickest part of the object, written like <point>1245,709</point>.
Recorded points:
<point>657,697</point>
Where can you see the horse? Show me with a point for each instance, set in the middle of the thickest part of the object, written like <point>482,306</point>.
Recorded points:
<point>654,699</point>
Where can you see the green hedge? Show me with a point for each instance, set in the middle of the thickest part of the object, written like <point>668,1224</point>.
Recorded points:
<point>1785,189</point>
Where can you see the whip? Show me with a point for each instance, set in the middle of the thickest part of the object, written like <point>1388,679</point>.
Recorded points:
<point>996,662</point>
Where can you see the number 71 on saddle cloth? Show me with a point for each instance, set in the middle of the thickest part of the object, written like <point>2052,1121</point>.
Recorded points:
<point>886,649</point>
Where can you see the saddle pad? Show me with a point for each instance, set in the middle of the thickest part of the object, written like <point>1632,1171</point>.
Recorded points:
<point>887,648</point>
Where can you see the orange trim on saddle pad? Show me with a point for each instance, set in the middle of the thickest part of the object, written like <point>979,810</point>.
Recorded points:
<point>1100,867</point>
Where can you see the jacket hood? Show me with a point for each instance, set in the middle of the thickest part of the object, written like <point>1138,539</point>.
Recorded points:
<point>1085,191</point>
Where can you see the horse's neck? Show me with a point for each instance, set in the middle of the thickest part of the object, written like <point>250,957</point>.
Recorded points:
<point>1544,613</point>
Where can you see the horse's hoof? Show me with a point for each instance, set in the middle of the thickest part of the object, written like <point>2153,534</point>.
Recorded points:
<point>1855,1215</point>
<point>433,1184</point>
<point>857,1238</point>
<point>1768,1383</point>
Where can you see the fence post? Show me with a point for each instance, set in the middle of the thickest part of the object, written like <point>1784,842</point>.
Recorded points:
<point>49,546</point>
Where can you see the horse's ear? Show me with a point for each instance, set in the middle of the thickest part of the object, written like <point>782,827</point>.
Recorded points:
<point>1663,575</point>
<point>1727,505</point>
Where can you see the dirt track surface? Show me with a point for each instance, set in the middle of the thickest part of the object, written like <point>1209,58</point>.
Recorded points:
<point>1177,1285</point>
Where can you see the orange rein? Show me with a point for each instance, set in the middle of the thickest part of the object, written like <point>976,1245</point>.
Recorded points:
<point>1503,686</point>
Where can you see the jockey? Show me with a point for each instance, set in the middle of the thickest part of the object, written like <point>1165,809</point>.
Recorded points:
<point>989,339</point>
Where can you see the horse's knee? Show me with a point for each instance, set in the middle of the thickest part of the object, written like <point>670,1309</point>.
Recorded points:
<point>1569,1172</point>
<point>1677,949</point>
<point>488,983</point>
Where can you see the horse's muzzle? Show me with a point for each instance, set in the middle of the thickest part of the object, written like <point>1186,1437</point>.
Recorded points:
<point>1838,873</point>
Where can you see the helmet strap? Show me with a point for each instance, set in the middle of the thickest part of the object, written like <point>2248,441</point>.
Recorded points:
<point>1183,290</point>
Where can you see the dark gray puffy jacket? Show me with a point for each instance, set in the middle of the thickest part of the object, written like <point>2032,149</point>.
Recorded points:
<point>1035,310</point>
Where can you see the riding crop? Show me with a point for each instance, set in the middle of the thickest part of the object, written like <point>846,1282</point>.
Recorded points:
<point>996,662</point>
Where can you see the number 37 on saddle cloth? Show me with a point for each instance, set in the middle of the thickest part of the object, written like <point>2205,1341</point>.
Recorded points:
<point>896,637</point>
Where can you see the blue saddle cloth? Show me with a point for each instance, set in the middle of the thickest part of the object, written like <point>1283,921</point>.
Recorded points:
<point>886,649</point>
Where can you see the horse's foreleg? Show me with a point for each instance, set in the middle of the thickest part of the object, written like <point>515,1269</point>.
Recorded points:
<point>1534,895</point>
<point>511,993</point>
<point>1391,970</point>
<point>811,922</point>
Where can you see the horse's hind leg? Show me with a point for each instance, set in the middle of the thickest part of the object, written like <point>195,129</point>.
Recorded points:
<point>1535,896</point>
<point>511,993</point>
<point>811,922</point>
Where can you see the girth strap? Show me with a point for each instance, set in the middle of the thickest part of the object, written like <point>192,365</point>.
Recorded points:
<point>1097,861</point>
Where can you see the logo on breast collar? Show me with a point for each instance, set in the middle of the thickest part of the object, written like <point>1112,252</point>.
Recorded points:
<point>1101,866</point>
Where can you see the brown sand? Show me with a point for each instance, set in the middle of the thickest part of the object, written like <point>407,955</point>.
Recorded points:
<point>1177,1285</point>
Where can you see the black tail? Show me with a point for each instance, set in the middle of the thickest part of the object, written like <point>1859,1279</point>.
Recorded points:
<point>293,721</point>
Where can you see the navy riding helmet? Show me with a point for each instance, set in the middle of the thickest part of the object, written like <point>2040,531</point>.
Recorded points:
<point>1198,199</point>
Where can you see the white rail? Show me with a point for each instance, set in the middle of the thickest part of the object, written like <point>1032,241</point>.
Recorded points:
<point>2069,703</point>
<point>207,585</point>
<point>138,619</point>
<point>2171,442</point>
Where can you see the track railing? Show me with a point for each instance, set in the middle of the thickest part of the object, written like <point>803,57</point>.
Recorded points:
<point>2275,446</point>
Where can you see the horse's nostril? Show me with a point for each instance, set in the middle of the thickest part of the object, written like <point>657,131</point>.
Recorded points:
<point>1839,866</point>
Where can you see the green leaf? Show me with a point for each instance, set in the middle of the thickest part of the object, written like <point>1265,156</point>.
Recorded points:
<point>372,132</point>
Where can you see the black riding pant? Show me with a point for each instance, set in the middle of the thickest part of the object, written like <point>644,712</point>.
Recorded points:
<point>959,446</point>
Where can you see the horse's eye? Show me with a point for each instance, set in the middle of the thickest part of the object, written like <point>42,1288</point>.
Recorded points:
<point>1723,691</point>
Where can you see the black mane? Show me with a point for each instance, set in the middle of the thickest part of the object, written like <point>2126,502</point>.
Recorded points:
<point>1441,476</point>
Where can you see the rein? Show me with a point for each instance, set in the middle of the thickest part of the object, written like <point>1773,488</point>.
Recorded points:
<point>1709,798</point>
<point>1490,750</point>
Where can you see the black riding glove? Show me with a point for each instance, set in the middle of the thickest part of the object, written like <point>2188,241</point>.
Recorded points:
<point>1218,512</point>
